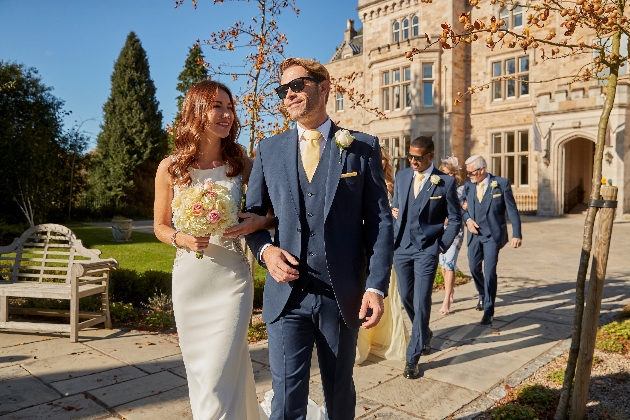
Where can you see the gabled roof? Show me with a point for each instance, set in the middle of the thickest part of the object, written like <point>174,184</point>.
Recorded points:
<point>353,47</point>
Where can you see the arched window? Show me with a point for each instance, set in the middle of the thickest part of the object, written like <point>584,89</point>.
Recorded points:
<point>405,29</point>
<point>415,27</point>
<point>396,31</point>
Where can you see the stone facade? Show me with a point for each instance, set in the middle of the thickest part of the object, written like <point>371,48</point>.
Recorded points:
<point>541,135</point>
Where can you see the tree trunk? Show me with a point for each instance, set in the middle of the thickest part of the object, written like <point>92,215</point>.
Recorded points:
<point>593,305</point>
<point>587,240</point>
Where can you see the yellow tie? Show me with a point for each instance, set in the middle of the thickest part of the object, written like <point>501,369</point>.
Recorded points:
<point>310,155</point>
<point>417,181</point>
<point>480,191</point>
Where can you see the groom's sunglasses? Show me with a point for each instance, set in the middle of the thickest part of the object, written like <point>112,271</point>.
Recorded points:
<point>296,85</point>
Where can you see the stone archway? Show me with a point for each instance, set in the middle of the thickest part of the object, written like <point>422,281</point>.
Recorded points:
<point>576,173</point>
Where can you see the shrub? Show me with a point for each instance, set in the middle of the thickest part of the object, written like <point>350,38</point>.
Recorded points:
<point>259,285</point>
<point>257,332</point>
<point>158,320</point>
<point>538,397</point>
<point>513,411</point>
<point>122,312</point>
<point>130,287</point>
<point>614,337</point>
<point>160,302</point>
<point>557,376</point>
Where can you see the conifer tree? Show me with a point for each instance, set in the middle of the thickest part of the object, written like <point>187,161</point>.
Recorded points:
<point>132,141</point>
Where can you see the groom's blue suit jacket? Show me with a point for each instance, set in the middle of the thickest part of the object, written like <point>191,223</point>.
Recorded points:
<point>358,234</point>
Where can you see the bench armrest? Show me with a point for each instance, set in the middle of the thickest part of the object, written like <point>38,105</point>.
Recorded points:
<point>80,269</point>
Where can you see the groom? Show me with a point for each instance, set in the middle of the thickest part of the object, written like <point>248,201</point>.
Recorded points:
<point>331,257</point>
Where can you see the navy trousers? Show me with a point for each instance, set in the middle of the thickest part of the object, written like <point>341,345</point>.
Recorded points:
<point>415,271</point>
<point>484,250</point>
<point>311,317</point>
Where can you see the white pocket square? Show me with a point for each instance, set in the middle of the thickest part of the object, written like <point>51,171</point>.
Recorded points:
<point>496,195</point>
<point>437,197</point>
<point>348,175</point>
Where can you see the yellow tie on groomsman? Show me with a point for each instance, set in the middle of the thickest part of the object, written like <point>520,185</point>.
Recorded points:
<point>480,191</point>
<point>310,155</point>
<point>417,181</point>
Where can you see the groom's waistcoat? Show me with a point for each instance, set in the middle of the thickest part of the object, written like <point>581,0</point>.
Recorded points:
<point>412,231</point>
<point>313,266</point>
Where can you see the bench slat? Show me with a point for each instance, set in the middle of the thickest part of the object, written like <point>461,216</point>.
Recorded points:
<point>48,276</point>
<point>39,326</point>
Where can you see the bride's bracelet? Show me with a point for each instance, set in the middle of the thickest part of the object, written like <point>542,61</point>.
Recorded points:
<point>173,239</point>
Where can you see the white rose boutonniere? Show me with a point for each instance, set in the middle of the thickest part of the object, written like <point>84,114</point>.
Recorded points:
<point>435,179</point>
<point>494,184</point>
<point>344,139</point>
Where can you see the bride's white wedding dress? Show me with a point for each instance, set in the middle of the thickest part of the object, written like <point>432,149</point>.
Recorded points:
<point>212,301</point>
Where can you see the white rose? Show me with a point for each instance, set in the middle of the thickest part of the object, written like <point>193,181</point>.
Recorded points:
<point>494,184</point>
<point>344,139</point>
<point>435,179</point>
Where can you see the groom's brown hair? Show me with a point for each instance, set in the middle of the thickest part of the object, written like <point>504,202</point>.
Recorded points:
<point>314,68</point>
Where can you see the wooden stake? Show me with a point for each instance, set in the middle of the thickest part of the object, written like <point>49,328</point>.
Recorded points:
<point>593,305</point>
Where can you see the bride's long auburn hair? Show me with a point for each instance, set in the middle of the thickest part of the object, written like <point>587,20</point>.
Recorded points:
<point>193,120</point>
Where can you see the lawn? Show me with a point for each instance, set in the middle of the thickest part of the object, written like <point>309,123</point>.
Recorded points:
<point>144,252</point>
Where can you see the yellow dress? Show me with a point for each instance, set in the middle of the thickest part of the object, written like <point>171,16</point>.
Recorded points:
<point>389,338</point>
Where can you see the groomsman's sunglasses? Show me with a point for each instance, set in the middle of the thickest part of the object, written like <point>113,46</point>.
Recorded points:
<point>296,85</point>
<point>416,157</point>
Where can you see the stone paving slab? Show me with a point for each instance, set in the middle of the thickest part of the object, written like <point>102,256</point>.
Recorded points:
<point>55,369</point>
<point>164,363</point>
<point>23,391</point>
<point>9,338</point>
<point>70,408</point>
<point>136,348</point>
<point>387,413</point>
<point>136,389</point>
<point>38,350</point>
<point>423,397</point>
<point>173,404</point>
<point>97,380</point>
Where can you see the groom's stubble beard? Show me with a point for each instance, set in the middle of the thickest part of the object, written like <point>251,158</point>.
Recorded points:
<point>312,103</point>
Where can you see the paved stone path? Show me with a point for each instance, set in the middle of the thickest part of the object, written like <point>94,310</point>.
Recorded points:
<point>135,375</point>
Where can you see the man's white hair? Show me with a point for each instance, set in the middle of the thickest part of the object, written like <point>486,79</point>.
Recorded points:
<point>477,161</point>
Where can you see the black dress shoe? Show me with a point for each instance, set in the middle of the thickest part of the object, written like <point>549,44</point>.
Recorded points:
<point>426,349</point>
<point>487,320</point>
<point>479,306</point>
<point>412,371</point>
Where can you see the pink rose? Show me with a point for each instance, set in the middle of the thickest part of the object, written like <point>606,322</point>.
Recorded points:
<point>214,216</point>
<point>211,194</point>
<point>208,185</point>
<point>197,209</point>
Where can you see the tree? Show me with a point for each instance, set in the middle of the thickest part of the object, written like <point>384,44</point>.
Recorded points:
<point>35,150</point>
<point>600,60</point>
<point>132,140</point>
<point>194,72</point>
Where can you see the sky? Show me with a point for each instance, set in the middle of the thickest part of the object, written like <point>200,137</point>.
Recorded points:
<point>74,43</point>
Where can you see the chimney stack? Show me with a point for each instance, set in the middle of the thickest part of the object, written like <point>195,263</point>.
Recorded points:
<point>350,32</point>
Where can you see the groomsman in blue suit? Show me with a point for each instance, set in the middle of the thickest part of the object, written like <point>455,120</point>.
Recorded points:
<point>488,198</point>
<point>424,198</point>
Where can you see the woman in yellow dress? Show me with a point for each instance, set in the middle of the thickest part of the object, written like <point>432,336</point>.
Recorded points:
<point>389,339</point>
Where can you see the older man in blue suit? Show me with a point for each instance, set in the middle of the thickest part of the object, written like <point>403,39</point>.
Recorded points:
<point>331,257</point>
<point>488,198</point>
<point>424,198</point>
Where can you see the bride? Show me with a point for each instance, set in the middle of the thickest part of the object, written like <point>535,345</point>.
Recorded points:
<point>212,296</point>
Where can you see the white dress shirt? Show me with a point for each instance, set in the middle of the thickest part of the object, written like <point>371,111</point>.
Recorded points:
<point>324,129</point>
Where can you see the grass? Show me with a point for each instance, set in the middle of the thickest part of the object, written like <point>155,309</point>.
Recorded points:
<point>614,337</point>
<point>144,252</point>
<point>460,278</point>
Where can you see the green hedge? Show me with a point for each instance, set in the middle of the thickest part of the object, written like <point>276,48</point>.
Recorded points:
<point>129,286</point>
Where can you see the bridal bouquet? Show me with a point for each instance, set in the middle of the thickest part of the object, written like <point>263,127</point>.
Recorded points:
<point>203,209</point>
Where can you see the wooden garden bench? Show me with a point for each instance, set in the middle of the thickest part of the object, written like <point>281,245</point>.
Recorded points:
<point>48,261</point>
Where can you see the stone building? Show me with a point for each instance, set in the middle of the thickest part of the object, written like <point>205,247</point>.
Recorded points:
<point>540,135</point>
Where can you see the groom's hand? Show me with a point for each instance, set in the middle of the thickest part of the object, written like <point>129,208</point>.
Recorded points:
<point>372,301</point>
<point>280,264</point>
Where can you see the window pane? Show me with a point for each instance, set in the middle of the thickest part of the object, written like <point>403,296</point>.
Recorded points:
<point>509,142</point>
<point>396,97</point>
<point>396,147</point>
<point>496,69</point>
<point>510,66</point>
<point>407,95</point>
<point>339,102</point>
<point>510,88</point>
<point>496,90</point>
<point>396,76</point>
<point>414,26</point>
<point>523,141</point>
<point>396,31</point>
<point>405,28</point>
<point>386,99</point>
<point>496,166</point>
<point>517,15</point>
<point>427,71</point>
<point>386,78</point>
<point>407,74</point>
<point>509,168</point>
<point>524,169</point>
<point>406,142</point>
<point>496,143</point>
<point>427,93</point>
<point>523,64</point>
<point>524,84</point>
